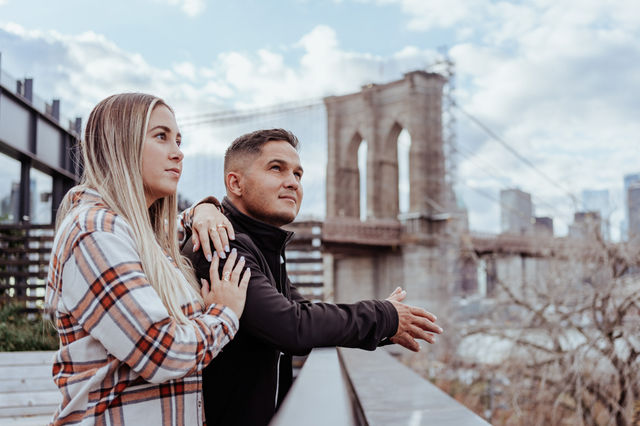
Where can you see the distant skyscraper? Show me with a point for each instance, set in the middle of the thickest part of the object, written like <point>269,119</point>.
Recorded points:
<point>629,180</point>
<point>585,224</point>
<point>599,201</point>
<point>633,211</point>
<point>543,226</point>
<point>516,212</point>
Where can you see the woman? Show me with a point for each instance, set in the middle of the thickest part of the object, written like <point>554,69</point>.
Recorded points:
<point>135,327</point>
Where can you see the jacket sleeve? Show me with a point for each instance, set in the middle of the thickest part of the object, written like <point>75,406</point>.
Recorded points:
<point>297,326</point>
<point>295,295</point>
<point>106,290</point>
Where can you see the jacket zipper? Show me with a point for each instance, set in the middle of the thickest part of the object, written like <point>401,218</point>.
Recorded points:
<point>277,379</point>
<point>283,290</point>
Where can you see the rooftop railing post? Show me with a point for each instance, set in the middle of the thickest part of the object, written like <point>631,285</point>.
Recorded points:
<point>55,109</point>
<point>28,89</point>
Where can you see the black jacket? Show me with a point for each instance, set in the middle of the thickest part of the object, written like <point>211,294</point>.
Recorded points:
<point>239,385</point>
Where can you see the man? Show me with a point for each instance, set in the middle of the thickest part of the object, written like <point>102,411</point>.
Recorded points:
<point>245,384</point>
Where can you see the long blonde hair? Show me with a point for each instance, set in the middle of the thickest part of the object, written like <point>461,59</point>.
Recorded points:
<point>112,159</point>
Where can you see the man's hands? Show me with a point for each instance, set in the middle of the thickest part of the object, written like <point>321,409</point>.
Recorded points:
<point>413,323</point>
<point>210,224</point>
<point>231,290</point>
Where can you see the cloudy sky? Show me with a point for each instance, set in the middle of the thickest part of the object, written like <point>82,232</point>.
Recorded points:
<point>555,80</point>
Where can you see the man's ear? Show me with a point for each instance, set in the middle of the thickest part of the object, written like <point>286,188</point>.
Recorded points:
<point>233,181</point>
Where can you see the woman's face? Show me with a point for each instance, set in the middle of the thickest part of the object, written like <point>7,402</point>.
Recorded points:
<point>161,155</point>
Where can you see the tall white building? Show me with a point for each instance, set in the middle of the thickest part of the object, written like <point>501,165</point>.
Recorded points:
<point>629,180</point>
<point>599,201</point>
<point>516,212</point>
<point>633,211</point>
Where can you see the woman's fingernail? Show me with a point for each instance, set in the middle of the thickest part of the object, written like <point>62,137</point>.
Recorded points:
<point>241,258</point>
<point>223,255</point>
<point>226,248</point>
<point>209,257</point>
<point>234,250</point>
<point>233,237</point>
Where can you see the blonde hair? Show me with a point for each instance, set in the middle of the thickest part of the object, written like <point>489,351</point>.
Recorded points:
<point>112,160</point>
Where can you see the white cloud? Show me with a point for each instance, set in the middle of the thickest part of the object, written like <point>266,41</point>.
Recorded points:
<point>82,69</point>
<point>191,8</point>
<point>186,70</point>
<point>324,68</point>
<point>425,15</point>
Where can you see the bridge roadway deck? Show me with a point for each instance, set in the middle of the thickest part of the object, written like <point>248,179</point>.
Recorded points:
<point>381,233</point>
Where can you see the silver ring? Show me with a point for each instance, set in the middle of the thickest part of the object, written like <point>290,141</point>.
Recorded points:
<point>220,225</point>
<point>226,276</point>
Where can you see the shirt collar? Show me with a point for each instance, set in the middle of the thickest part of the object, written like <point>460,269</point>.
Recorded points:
<point>265,236</point>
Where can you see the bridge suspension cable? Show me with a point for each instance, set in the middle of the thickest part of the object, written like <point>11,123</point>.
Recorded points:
<point>516,154</point>
<point>491,171</point>
<point>223,117</point>
<point>484,168</point>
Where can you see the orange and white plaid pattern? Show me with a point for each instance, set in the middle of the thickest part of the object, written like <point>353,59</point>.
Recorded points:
<point>123,359</point>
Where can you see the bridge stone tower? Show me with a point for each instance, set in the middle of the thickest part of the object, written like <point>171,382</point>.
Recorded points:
<point>378,114</point>
<point>369,258</point>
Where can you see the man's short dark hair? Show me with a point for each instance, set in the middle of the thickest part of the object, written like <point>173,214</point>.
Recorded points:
<point>252,143</point>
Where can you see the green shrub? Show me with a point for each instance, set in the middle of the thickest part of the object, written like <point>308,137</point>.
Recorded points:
<point>20,332</point>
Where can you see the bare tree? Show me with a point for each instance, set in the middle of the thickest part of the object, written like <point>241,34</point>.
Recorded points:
<point>563,344</point>
<point>559,345</point>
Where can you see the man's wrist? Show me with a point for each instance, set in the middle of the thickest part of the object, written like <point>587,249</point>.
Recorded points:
<point>188,220</point>
<point>209,200</point>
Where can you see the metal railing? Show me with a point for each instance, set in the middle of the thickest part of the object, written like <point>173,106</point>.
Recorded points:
<point>355,387</point>
<point>11,83</point>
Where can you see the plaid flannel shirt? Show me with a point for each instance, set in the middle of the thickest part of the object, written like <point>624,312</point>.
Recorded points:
<point>123,359</point>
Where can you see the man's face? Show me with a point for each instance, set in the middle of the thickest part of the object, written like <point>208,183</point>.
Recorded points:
<point>270,185</point>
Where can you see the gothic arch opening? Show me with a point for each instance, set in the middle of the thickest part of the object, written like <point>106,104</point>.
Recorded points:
<point>362,176</point>
<point>355,162</point>
<point>404,184</point>
<point>395,172</point>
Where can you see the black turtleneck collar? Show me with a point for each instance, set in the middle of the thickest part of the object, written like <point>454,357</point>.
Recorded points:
<point>265,236</point>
